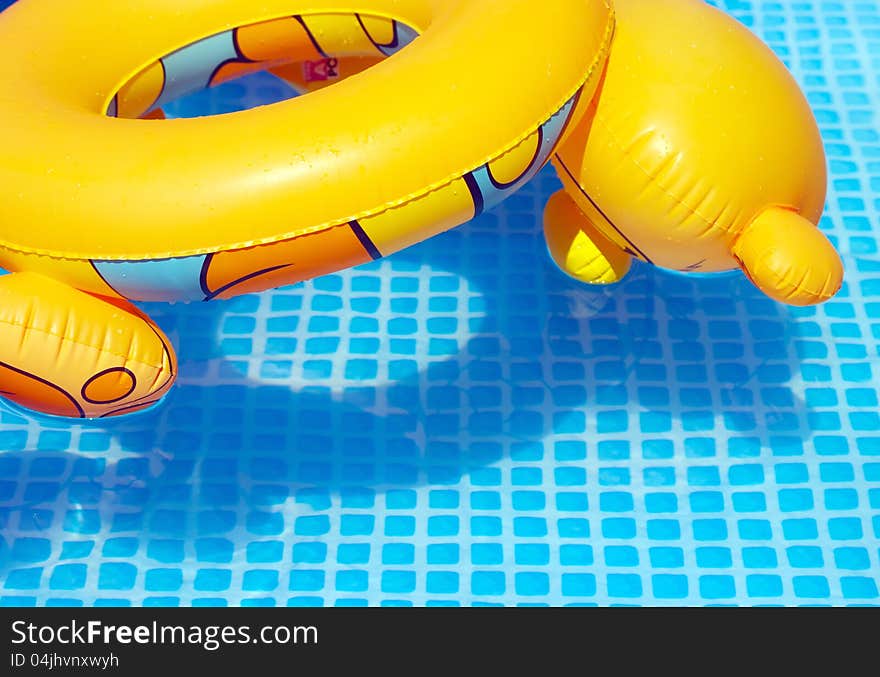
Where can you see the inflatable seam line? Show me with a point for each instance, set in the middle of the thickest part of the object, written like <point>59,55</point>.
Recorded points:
<point>601,54</point>
<point>124,356</point>
<point>726,228</point>
<point>826,291</point>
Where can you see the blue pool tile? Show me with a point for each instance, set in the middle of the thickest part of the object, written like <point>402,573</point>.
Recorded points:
<point>670,586</point>
<point>624,585</point>
<point>488,583</point>
<point>717,587</point>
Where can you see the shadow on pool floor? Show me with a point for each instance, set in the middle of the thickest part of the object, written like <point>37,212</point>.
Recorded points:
<point>608,378</point>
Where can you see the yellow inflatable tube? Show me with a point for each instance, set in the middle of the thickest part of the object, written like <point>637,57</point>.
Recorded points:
<point>98,208</point>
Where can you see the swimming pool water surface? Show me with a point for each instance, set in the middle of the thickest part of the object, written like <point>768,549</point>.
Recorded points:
<point>460,424</point>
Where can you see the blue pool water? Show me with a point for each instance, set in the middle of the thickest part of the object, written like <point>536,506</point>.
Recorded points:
<point>460,424</point>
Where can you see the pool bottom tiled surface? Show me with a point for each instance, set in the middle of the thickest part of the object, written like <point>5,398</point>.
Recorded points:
<point>462,425</point>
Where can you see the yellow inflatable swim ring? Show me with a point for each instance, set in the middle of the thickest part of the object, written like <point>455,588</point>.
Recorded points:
<point>700,153</point>
<point>99,208</point>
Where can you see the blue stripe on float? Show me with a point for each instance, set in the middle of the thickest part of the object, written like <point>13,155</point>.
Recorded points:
<point>551,131</point>
<point>158,280</point>
<point>476,194</point>
<point>403,36</point>
<point>189,69</point>
<point>491,195</point>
